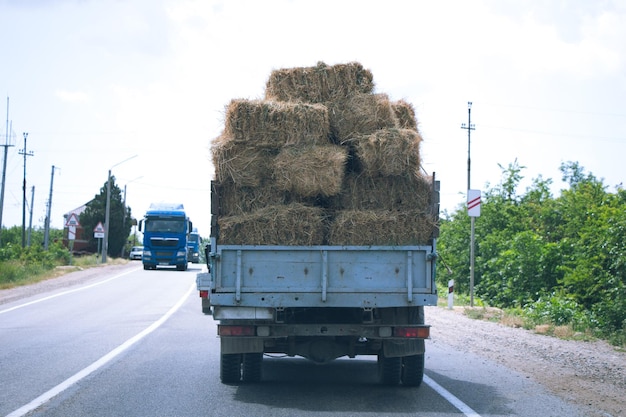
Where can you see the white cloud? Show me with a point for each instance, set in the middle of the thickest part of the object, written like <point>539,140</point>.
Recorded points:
<point>72,96</point>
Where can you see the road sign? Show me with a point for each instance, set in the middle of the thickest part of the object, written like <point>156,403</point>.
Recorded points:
<point>98,231</point>
<point>72,220</point>
<point>473,203</point>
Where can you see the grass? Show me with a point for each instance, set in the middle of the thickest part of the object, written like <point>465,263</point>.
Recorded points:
<point>516,317</point>
<point>17,273</point>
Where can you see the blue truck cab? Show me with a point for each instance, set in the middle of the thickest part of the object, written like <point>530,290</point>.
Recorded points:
<point>166,230</point>
<point>193,246</point>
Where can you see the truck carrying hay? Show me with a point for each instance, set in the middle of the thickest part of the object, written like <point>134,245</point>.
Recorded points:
<point>323,228</point>
<point>323,138</point>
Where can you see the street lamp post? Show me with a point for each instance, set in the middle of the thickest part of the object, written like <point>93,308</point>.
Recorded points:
<point>107,214</point>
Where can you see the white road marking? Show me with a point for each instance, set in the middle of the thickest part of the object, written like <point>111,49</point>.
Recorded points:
<point>460,405</point>
<point>47,396</point>
<point>66,292</point>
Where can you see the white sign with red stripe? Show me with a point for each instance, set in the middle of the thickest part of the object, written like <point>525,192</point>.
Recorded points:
<point>473,203</point>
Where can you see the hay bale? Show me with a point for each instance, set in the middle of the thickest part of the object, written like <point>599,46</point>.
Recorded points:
<point>240,163</point>
<point>360,114</point>
<point>405,114</point>
<point>235,200</point>
<point>310,171</point>
<point>399,193</point>
<point>389,152</point>
<point>319,84</point>
<point>381,227</point>
<point>273,124</point>
<point>293,224</point>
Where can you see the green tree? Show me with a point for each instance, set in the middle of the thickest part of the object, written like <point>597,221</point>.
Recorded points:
<point>120,219</point>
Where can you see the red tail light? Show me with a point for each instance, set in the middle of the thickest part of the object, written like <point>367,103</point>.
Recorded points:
<point>235,330</point>
<point>204,293</point>
<point>412,332</point>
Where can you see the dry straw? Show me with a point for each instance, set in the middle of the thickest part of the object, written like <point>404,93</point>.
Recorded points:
<point>310,171</point>
<point>239,163</point>
<point>273,124</point>
<point>360,114</point>
<point>283,182</point>
<point>235,200</point>
<point>381,227</point>
<point>405,113</point>
<point>293,224</point>
<point>319,84</point>
<point>400,193</point>
<point>389,152</point>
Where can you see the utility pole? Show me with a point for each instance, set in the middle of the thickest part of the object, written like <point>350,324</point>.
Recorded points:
<point>25,153</point>
<point>469,128</point>
<point>7,143</point>
<point>30,221</point>
<point>46,232</point>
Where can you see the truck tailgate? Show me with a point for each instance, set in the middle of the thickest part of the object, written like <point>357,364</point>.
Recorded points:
<point>313,276</point>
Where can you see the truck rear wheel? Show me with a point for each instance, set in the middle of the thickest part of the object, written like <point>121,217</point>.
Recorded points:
<point>413,370</point>
<point>389,370</point>
<point>230,368</point>
<point>252,367</point>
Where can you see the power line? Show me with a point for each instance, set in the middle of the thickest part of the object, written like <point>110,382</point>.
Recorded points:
<point>544,109</point>
<point>569,135</point>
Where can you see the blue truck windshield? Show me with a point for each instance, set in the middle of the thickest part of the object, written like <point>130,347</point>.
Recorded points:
<point>166,225</point>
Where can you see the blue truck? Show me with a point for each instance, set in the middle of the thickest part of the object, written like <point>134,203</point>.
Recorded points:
<point>320,303</point>
<point>166,229</point>
<point>194,244</point>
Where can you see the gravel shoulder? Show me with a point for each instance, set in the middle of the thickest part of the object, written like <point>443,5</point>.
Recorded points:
<point>589,374</point>
<point>72,276</point>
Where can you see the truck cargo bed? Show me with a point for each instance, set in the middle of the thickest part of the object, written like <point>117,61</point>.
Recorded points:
<point>313,276</point>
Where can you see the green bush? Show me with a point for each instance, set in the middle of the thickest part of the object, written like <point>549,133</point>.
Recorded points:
<point>557,310</point>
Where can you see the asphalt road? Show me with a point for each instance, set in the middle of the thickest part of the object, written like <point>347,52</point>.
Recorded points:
<point>135,343</point>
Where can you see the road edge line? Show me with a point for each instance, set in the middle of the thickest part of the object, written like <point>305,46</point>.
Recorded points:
<point>47,396</point>
<point>458,404</point>
<point>67,292</point>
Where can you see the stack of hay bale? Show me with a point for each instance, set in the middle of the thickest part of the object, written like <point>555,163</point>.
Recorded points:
<point>322,160</point>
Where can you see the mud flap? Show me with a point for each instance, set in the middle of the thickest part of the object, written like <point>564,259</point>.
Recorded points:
<point>395,348</point>
<point>241,345</point>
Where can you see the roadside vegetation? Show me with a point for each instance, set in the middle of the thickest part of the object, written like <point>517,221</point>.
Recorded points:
<point>21,266</point>
<point>27,263</point>
<point>553,264</point>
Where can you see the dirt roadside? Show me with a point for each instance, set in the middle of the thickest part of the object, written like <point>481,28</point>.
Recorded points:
<point>77,276</point>
<point>589,374</point>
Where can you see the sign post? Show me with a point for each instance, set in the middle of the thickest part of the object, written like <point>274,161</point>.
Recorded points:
<point>72,223</point>
<point>473,211</point>
<point>98,233</point>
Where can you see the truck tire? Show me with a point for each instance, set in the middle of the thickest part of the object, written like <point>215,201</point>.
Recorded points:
<point>252,367</point>
<point>413,370</point>
<point>389,370</point>
<point>230,368</point>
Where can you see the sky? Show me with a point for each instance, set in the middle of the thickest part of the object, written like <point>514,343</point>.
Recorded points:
<point>139,88</point>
